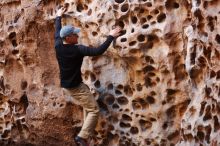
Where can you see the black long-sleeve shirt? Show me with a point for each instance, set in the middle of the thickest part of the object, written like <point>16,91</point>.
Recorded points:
<point>70,57</point>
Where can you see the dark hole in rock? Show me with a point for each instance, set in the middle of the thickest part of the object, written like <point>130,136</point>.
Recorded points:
<point>15,51</point>
<point>208,91</point>
<point>132,43</point>
<point>89,12</point>
<point>66,5</point>
<point>16,18</point>
<point>165,125</point>
<point>85,7</point>
<point>103,107</point>
<point>173,135</point>
<point>148,141</point>
<point>120,87</point>
<point>171,91</point>
<point>152,37</point>
<point>118,92</point>
<point>171,112</point>
<point>123,39</point>
<point>139,87</point>
<point>145,26</point>
<point>124,125</point>
<point>14,43</point>
<point>200,135</point>
<point>145,124</point>
<point>109,99</point>
<point>6,134</point>
<point>201,61</point>
<point>94,33</point>
<point>161,17</point>
<point>149,59</point>
<point>153,119</point>
<point>218,75</point>
<point>121,24</point>
<point>123,32</point>
<point>153,93</point>
<point>141,10</point>
<point>149,17</point>
<point>149,4</point>
<point>141,38</point>
<point>205,4</point>
<point>126,117</point>
<point>143,20</point>
<point>128,91</point>
<point>136,105</point>
<point>208,130</point>
<point>24,101</point>
<point>153,22</point>
<point>113,118</point>
<point>12,35</point>
<point>151,74</point>
<point>124,8</point>
<point>216,124</point>
<point>61,105</point>
<point>115,7</point>
<point>24,84</point>
<point>198,14</point>
<point>97,84</point>
<point>198,2</point>
<point>115,106</point>
<point>150,100</point>
<point>111,127</point>
<point>208,115</point>
<point>217,38</point>
<point>79,7</point>
<point>148,82</point>
<point>156,11</point>
<point>134,130</point>
<point>119,1</point>
<point>134,19</point>
<point>122,100</point>
<point>92,77</point>
<point>170,4</point>
<point>148,68</point>
<point>110,86</point>
<point>176,5</point>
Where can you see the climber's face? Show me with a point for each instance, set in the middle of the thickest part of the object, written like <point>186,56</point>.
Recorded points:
<point>72,39</point>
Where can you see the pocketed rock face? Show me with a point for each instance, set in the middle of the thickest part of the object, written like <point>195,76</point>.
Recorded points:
<point>158,84</point>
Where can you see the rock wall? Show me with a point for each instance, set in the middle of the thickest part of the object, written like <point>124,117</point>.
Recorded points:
<point>158,83</point>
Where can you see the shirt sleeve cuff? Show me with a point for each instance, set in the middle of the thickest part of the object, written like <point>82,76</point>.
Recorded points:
<point>111,37</point>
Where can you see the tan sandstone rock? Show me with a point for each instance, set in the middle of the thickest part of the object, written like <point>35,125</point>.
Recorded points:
<point>158,84</point>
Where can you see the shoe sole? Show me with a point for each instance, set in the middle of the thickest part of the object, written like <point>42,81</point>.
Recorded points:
<point>78,143</point>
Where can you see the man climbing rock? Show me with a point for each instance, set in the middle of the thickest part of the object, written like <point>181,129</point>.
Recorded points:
<point>70,57</point>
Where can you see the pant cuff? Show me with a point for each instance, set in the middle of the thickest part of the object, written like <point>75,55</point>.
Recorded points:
<point>83,135</point>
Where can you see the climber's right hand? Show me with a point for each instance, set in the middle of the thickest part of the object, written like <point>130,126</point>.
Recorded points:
<point>115,32</point>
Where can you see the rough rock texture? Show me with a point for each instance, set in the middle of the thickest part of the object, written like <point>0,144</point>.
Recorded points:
<point>158,84</point>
